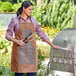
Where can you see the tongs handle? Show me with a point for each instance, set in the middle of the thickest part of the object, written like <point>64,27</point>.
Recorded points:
<point>33,39</point>
<point>64,49</point>
<point>24,39</point>
<point>29,37</point>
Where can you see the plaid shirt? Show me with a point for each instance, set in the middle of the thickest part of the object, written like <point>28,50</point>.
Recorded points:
<point>14,26</point>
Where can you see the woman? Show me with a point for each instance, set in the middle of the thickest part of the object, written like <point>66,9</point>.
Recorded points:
<point>24,54</point>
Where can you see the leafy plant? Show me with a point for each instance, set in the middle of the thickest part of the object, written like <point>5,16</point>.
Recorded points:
<point>40,58</point>
<point>50,31</point>
<point>58,13</point>
<point>5,50</point>
<point>4,44</point>
<point>36,13</point>
<point>41,67</point>
<point>5,71</point>
<point>16,6</point>
<point>6,7</point>
<point>0,3</point>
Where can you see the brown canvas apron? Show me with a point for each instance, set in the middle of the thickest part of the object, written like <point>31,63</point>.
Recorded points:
<point>24,58</point>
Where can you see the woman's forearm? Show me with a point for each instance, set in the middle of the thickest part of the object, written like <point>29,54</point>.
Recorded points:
<point>19,42</point>
<point>49,42</point>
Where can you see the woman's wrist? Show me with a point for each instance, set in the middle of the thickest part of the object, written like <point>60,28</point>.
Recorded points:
<point>50,43</point>
<point>14,40</point>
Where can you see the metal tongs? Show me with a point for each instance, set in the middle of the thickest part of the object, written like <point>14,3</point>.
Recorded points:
<point>30,37</point>
<point>67,49</point>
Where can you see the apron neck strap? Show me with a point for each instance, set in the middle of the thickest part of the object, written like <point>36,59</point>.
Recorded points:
<point>30,19</point>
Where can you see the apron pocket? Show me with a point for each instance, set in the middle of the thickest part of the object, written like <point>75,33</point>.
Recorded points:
<point>26,54</point>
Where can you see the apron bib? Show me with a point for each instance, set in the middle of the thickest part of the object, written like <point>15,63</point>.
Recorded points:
<point>24,58</point>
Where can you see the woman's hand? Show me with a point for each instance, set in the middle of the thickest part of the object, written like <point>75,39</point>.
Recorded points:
<point>20,42</point>
<point>51,44</point>
<point>56,47</point>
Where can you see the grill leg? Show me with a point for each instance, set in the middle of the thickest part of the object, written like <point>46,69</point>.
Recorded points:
<point>48,69</point>
<point>52,73</point>
<point>75,60</point>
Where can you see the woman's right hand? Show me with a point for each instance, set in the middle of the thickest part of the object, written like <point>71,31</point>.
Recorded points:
<point>20,42</point>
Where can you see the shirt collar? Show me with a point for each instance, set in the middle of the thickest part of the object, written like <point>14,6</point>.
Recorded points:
<point>23,18</point>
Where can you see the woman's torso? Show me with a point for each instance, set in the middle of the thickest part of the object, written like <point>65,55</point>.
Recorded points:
<point>16,22</point>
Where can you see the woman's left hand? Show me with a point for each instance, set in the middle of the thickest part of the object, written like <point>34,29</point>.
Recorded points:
<point>56,47</point>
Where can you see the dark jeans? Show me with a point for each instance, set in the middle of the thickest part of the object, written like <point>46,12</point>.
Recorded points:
<point>28,74</point>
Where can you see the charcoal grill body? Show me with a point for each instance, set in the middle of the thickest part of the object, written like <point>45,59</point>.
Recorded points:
<point>62,60</point>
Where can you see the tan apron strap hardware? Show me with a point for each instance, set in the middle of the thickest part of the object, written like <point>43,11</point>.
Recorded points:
<point>30,19</point>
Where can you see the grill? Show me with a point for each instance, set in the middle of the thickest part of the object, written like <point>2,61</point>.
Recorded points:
<point>64,59</point>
